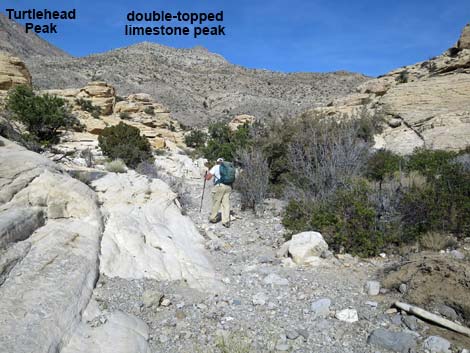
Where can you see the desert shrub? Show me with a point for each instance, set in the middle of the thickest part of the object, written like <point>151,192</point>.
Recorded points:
<point>443,204</point>
<point>403,77</point>
<point>171,127</point>
<point>150,110</point>
<point>453,51</point>
<point>348,220</point>
<point>42,115</point>
<point>253,181</point>
<point>180,188</point>
<point>87,155</point>
<point>323,156</point>
<point>382,164</point>
<point>430,163</point>
<point>86,105</point>
<point>147,168</point>
<point>125,142</point>
<point>125,116</point>
<point>116,166</point>
<point>436,241</point>
<point>195,139</point>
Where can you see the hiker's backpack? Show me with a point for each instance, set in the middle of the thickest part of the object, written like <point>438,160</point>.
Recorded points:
<point>227,173</point>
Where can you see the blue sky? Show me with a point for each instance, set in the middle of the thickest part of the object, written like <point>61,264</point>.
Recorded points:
<point>371,37</point>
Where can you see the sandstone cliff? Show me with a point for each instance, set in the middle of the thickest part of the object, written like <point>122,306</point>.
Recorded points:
<point>425,104</point>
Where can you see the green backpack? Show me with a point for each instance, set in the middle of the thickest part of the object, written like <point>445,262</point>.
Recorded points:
<point>227,173</point>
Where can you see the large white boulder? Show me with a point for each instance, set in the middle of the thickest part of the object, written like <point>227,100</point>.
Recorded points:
<point>181,166</point>
<point>304,247</point>
<point>49,263</point>
<point>146,235</point>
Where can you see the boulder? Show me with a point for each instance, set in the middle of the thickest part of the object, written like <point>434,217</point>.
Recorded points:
<point>303,246</point>
<point>347,315</point>
<point>378,87</point>
<point>436,344</point>
<point>401,342</point>
<point>98,89</point>
<point>13,72</point>
<point>321,308</point>
<point>140,97</point>
<point>126,107</point>
<point>54,264</point>
<point>241,120</point>
<point>147,237</point>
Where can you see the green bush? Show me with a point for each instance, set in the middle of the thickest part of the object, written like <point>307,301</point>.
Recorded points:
<point>430,163</point>
<point>115,166</point>
<point>195,139</point>
<point>42,115</point>
<point>149,110</point>
<point>124,141</point>
<point>86,105</point>
<point>382,164</point>
<point>124,116</point>
<point>347,220</point>
<point>224,143</point>
<point>443,204</point>
<point>402,77</point>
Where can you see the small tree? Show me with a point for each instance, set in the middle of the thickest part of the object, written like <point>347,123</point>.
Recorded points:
<point>42,115</point>
<point>124,141</point>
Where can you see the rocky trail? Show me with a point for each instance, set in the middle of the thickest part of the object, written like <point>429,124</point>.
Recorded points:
<point>119,263</point>
<point>268,303</point>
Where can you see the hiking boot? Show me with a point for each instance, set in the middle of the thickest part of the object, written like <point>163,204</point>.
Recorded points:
<point>213,221</point>
<point>226,225</point>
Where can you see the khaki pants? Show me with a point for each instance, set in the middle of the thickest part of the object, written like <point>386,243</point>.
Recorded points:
<point>221,200</point>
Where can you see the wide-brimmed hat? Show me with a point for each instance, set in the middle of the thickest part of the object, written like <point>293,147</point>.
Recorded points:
<point>220,160</point>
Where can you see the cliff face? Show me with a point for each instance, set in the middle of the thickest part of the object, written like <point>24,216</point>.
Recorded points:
<point>425,104</point>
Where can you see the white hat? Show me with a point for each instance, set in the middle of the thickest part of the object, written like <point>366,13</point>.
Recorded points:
<point>220,160</point>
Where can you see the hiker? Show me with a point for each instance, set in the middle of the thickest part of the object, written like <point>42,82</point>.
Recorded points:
<point>224,176</point>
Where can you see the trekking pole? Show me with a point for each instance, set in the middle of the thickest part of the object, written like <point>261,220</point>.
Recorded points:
<point>203,188</point>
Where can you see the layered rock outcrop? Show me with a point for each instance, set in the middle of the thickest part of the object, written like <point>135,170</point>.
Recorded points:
<point>138,110</point>
<point>241,120</point>
<point>147,237</point>
<point>423,105</point>
<point>13,72</point>
<point>50,262</point>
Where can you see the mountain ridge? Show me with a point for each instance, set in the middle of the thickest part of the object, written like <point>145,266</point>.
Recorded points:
<point>14,40</point>
<point>197,85</point>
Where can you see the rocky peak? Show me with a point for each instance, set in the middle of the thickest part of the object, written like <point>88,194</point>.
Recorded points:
<point>464,40</point>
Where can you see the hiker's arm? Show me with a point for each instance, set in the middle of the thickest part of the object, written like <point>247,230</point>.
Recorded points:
<point>208,176</point>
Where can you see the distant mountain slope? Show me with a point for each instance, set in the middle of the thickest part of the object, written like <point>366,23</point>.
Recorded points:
<point>14,40</point>
<point>197,85</point>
